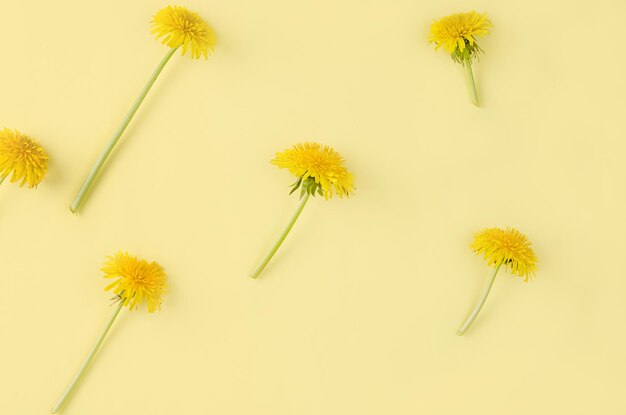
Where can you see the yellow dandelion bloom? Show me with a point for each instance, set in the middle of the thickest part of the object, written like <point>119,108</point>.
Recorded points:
<point>180,26</point>
<point>137,280</point>
<point>320,163</point>
<point>508,247</point>
<point>22,158</point>
<point>457,33</point>
<point>177,26</point>
<point>319,170</point>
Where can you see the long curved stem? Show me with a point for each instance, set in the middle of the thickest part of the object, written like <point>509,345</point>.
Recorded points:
<point>480,304</point>
<point>270,254</point>
<point>91,177</point>
<point>88,360</point>
<point>469,74</point>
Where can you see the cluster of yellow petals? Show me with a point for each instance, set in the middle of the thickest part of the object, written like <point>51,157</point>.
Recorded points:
<point>22,158</point>
<point>137,280</point>
<point>319,162</point>
<point>179,26</point>
<point>457,31</point>
<point>508,247</point>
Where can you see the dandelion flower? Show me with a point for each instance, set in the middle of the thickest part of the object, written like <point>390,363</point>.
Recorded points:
<point>181,27</point>
<point>22,158</point>
<point>508,247</point>
<point>319,170</point>
<point>137,280</point>
<point>178,27</point>
<point>457,35</point>
<point>320,164</point>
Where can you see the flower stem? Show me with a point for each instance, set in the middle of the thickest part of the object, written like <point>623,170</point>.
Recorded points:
<point>88,360</point>
<point>282,237</point>
<point>469,74</point>
<point>84,189</point>
<point>480,304</point>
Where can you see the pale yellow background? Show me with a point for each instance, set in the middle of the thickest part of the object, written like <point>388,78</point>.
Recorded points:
<point>357,314</point>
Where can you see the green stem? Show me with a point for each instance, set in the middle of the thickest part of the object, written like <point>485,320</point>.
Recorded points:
<point>470,81</point>
<point>88,360</point>
<point>280,240</point>
<point>480,304</point>
<point>91,177</point>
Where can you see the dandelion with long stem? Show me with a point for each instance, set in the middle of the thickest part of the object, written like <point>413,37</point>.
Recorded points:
<point>319,171</point>
<point>457,35</point>
<point>22,158</point>
<point>178,27</point>
<point>501,247</point>
<point>137,281</point>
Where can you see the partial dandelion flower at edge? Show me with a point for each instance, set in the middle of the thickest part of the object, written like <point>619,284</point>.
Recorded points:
<point>22,158</point>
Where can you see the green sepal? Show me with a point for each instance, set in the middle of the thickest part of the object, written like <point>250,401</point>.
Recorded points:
<point>307,186</point>
<point>296,185</point>
<point>470,52</point>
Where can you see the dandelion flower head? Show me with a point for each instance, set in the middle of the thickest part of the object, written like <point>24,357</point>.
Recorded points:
<point>136,280</point>
<point>22,158</point>
<point>317,166</point>
<point>457,34</point>
<point>508,247</point>
<point>179,26</point>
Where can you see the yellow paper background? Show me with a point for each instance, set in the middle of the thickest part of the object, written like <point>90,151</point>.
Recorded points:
<point>358,311</point>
